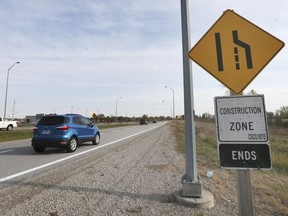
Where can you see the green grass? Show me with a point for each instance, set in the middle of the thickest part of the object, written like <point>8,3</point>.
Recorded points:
<point>105,126</point>
<point>178,131</point>
<point>279,149</point>
<point>207,148</point>
<point>15,135</point>
<point>281,188</point>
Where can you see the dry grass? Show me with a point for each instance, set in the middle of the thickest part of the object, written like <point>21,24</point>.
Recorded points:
<point>270,188</point>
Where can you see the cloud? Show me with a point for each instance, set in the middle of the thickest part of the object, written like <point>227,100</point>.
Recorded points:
<point>87,53</point>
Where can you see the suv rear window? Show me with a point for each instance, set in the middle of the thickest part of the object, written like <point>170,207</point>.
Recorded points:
<point>53,120</point>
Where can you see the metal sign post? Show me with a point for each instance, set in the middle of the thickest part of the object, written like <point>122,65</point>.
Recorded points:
<point>244,190</point>
<point>191,186</point>
<point>192,193</point>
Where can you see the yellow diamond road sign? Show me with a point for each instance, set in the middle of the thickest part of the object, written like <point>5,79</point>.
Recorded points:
<point>235,50</point>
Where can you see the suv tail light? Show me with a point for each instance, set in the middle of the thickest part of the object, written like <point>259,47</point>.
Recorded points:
<point>35,129</point>
<point>63,128</point>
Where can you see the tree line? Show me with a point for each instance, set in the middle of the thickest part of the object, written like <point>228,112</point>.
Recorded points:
<point>279,118</point>
<point>101,118</point>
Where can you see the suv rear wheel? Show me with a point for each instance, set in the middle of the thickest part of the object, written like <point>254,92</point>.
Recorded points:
<point>39,149</point>
<point>72,144</point>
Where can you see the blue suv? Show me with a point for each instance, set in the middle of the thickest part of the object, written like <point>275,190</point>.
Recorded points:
<point>66,131</point>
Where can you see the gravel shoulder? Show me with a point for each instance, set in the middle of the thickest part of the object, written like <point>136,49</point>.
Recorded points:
<point>135,177</point>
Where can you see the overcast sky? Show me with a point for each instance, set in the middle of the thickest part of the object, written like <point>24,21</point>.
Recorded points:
<point>81,56</point>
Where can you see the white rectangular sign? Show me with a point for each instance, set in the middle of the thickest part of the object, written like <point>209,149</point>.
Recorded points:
<point>241,119</point>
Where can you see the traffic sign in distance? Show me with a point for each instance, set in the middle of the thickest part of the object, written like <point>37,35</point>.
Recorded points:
<point>234,51</point>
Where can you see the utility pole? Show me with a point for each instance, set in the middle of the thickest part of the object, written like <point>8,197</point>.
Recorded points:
<point>5,104</point>
<point>13,109</point>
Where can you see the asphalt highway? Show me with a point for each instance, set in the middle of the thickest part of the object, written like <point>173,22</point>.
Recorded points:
<point>18,159</point>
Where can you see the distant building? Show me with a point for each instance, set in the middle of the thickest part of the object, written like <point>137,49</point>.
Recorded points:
<point>30,119</point>
<point>33,119</point>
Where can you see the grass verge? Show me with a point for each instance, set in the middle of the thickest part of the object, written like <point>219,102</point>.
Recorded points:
<point>6,136</point>
<point>270,188</point>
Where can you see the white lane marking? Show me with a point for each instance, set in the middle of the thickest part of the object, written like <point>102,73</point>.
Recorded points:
<point>72,156</point>
<point>2,152</point>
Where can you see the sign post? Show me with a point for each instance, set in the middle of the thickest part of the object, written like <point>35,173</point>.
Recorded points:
<point>191,185</point>
<point>244,191</point>
<point>192,193</point>
<point>243,141</point>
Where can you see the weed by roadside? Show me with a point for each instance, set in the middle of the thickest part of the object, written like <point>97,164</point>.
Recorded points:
<point>270,188</point>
